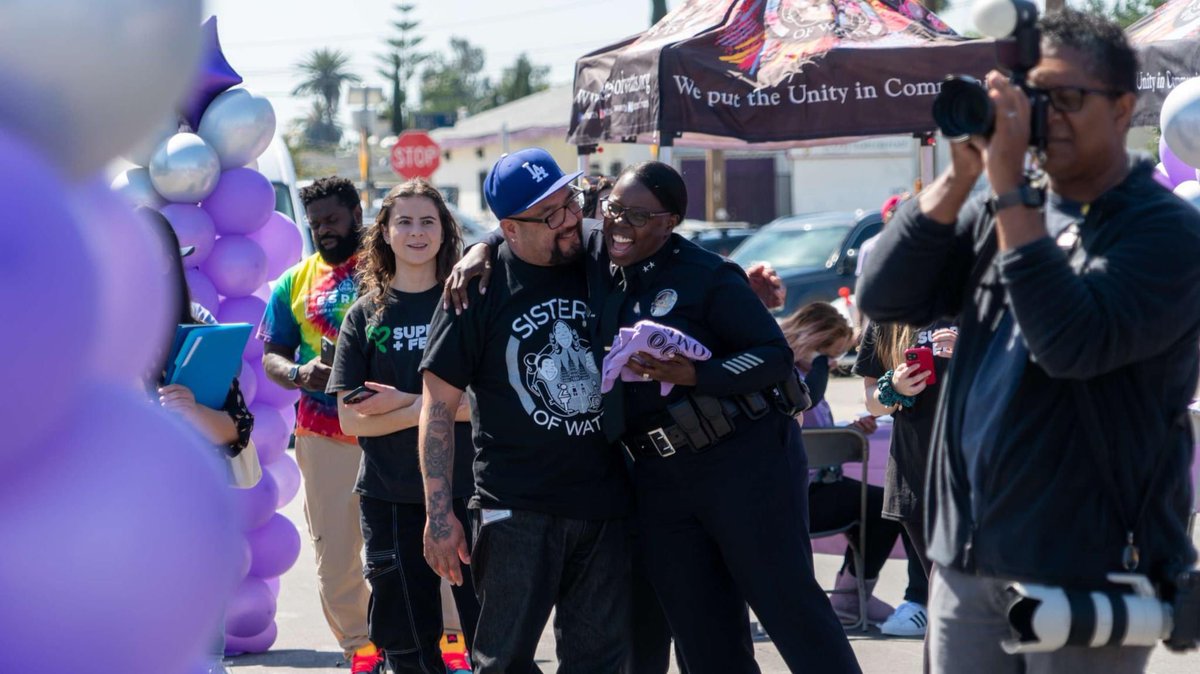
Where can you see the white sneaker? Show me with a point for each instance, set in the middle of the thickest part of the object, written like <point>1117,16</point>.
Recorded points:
<point>909,620</point>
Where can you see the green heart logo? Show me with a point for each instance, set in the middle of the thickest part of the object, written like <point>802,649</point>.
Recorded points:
<point>379,334</point>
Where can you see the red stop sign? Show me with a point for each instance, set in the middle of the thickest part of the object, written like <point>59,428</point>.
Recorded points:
<point>415,155</point>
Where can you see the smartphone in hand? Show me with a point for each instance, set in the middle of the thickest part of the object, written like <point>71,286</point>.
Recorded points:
<point>922,357</point>
<point>328,349</point>
<point>358,395</point>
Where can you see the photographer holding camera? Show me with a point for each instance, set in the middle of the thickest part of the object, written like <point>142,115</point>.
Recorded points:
<point>1062,446</point>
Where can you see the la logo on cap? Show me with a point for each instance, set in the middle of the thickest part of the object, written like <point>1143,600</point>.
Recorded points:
<point>539,174</point>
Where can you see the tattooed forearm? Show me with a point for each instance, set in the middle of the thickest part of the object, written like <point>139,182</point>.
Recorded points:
<point>437,460</point>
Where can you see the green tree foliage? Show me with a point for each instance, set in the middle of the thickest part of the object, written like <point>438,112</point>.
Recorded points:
<point>455,80</point>
<point>399,62</point>
<point>324,71</point>
<point>1124,12</point>
<point>519,80</point>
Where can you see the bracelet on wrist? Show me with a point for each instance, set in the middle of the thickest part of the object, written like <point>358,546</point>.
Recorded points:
<point>889,396</point>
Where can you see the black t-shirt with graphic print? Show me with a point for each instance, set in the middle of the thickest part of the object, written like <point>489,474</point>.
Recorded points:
<point>386,348</point>
<point>523,354</point>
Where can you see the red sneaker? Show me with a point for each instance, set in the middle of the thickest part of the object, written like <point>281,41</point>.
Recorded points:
<point>367,660</point>
<point>454,654</point>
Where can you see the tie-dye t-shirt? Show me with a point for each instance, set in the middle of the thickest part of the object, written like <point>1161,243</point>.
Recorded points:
<point>309,302</point>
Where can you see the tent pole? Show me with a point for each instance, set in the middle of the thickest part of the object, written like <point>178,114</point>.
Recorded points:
<point>585,157</point>
<point>925,160</point>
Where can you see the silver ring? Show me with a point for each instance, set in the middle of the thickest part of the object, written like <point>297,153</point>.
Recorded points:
<point>1010,115</point>
<point>646,376</point>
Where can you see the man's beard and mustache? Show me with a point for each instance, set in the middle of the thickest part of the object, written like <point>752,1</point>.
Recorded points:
<point>346,247</point>
<point>558,257</point>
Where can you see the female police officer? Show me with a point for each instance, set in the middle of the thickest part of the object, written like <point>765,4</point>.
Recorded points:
<point>720,473</point>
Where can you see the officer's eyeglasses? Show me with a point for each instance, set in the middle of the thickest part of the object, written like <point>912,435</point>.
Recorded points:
<point>638,217</point>
<point>558,216</point>
<point>1070,99</point>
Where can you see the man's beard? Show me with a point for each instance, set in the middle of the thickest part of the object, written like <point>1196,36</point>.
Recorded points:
<point>558,257</point>
<point>346,247</point>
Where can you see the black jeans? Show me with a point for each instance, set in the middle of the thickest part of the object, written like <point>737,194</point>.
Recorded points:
<point>730,526</point>
<point>527,563</point>
<point>404,617</point>
<point>919,566</point>
<point>831,505</point>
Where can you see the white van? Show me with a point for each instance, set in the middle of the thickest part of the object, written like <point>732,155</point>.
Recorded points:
<point>276,165</point>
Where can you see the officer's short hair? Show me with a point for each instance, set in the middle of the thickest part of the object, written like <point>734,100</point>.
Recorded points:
<point>1102,43</point>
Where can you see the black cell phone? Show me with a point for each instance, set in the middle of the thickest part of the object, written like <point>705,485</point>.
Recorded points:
<point>358,395</point>
<point>328,349</point>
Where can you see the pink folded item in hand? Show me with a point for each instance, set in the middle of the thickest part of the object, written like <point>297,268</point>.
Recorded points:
<point>658,340</point>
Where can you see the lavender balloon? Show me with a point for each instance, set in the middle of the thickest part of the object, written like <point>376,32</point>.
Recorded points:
<point>202,290</point>
<point>251,610</point>
<point>259,643</point>
<point>250,310</point>
<point>1176,169</point>
<point>237,266</point>
<point>274,395</point>
<point>154,547</point>
<point>270,432</point>
<point>193,227</point>
<point>214,75</point>
<point>286,473</point>
<point>275,547</point>
<point>248,382</point>
<point>136,188</point>
<point>46,255</point>
<point>282,241</point>
<point>241,202</point>
<point>256,505</point>
<point>273,583</point>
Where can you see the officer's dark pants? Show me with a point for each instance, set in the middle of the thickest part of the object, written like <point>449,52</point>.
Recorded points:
<point>728,525</point>
<point>527,564</point>
<point>404,616</point>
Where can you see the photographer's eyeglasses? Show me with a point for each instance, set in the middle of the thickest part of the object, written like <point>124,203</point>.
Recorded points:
<point>635,216</point>
<point>1070,99</point>
<point>558,216</point>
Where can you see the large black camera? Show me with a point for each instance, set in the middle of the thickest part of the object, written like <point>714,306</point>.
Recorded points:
<point>962,107</point>
<point>1044,618</point>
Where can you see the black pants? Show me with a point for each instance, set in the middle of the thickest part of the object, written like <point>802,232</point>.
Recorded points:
<point>527,563</point>
<point>919,566</point>
<point>730,526</point>
<point>650,645</point>
<point>832,505</point>
<point>404,617</point>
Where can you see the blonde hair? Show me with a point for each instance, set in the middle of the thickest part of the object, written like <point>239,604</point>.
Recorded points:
<point>891,340</point>
<point>812,328</point>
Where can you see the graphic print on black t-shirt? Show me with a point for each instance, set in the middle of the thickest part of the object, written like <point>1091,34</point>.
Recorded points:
<point>552,371</point>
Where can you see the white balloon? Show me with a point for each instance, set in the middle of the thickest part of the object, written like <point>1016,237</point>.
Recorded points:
<point>1180,122</point>
<point>185,169</point>
<point>239,126</point>
<point>994,18</point>
<point>1189,191</point>
<point>151,140</point>
<point>136,188</point>
<point>84,79</point>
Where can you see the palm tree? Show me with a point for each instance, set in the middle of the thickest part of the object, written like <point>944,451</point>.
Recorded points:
<point>324,71</point>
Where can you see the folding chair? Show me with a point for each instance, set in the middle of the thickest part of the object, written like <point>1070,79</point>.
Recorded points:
<point>827,447</point>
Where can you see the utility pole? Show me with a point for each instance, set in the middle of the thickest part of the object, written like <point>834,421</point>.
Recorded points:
<point>369,97</point>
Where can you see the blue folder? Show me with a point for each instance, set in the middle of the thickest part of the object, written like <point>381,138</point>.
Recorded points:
<point>207,359</point>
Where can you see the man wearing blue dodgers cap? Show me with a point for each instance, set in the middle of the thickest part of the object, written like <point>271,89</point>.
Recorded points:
<point>550,493</point>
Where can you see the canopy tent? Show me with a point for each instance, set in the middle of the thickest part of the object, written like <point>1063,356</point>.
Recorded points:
<point>1168,44</point>
<point>777,72</point>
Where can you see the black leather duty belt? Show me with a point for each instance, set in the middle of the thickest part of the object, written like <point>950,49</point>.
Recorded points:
<point>668,439</point>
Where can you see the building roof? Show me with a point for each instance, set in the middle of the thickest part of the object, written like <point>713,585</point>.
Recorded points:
<point>535,116</point>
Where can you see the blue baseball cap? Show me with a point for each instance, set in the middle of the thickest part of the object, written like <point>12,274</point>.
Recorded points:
<point>521,179</point>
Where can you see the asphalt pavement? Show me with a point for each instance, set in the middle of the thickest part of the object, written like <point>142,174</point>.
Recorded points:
<point>305,645</point>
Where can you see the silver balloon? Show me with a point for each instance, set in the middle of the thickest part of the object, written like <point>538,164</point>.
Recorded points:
<point>239,126</point>
<point>150,141</point>
<point>84,79</point>
<point>1180,122</point>
<point>185,169</point>
<point>135,186</point>
<point>1189,191</point>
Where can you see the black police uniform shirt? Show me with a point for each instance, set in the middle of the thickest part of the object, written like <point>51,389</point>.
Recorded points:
<point>912,427</point>
<point>710,299</point>
<point>387,348</point>
<point>523,353</point>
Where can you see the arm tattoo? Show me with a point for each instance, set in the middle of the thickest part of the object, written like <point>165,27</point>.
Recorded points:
<point>437,460</point>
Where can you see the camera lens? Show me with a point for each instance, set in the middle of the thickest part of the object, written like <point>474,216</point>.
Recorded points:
<point>962,108</point>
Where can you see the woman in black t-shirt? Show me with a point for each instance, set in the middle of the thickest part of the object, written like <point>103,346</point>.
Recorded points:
<point>406,256</point>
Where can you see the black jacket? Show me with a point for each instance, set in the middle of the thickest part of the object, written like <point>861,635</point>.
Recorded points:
<point>1121,314</point>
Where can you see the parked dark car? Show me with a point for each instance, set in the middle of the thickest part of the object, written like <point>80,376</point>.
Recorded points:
<point>721,238</point>
<point>814,253</point>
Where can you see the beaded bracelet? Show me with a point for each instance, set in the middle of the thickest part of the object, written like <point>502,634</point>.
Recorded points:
<point>889,396</point>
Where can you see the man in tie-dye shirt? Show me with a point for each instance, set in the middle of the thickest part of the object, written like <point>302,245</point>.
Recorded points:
<point>307,304</point>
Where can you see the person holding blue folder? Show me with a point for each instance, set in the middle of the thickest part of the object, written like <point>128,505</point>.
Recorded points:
<point>405,258</point>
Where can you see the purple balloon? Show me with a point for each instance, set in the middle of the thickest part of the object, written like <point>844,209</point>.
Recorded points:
<point>282,241</point>
<point>155,545</point>
<point>259,643</point>
<point>1177,170</point>
<point>1161,177</point>
<point>247,309</point>
<point>273,583</point>
<point>242,202</point>
<point>264,291</point>
<point>286,473</point>
<point>270,393</point>
<point>137,294</point>
<point>271,432</point>
<point>248,382</point>
<point>251,610</point>
<point>274,547</point>
<point>256,505</point>
<point>214,76</point>
<point>237,266</point>
<point>48,265</point>
<point>244,558</point>
<point>193,227</point>
<point>202,290</point>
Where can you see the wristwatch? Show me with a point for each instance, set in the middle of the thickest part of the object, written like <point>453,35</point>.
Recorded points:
<point>293,373</point>
<point>1026,195</point>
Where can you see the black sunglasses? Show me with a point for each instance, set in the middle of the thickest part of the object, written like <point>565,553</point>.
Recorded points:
<point>558,216</point>
<point>1070,99</point>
